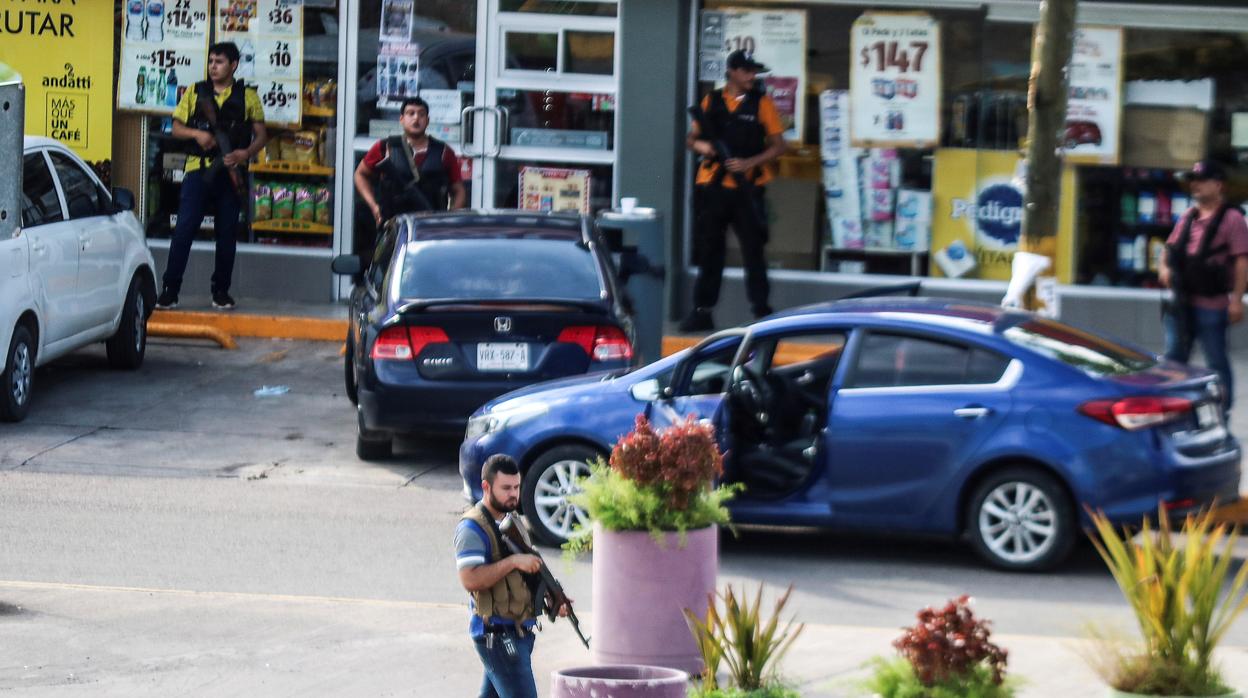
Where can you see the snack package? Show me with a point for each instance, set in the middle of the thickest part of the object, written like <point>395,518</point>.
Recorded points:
<point>324,210</point>
<point>300,147</point>
<point>262,200</point>
<point>283,202</point>
<point>305,205</point>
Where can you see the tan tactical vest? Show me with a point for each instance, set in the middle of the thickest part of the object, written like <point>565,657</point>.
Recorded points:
<point>510,598</point>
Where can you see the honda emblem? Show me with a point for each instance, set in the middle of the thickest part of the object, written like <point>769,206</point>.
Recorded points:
<point>502,324</point>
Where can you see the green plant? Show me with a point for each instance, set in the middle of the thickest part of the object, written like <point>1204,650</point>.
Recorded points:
<point>751,646</point>
<point>947,654</point>
<point>1182,600</point>
<point>656,482</point>
<point>769,692</point>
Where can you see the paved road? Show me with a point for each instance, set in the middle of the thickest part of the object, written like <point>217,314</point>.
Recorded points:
<point>168,532</point>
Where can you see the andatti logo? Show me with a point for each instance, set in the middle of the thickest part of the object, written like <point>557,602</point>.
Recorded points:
<point>997,212</point>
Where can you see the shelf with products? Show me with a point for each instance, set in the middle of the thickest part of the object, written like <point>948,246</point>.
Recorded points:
<point>282,167</point>
<point>318,112</point>
<point>292,226</point>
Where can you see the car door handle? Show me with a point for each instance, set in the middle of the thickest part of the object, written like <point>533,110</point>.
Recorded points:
<point>38,249</point>
<point>972,412</point>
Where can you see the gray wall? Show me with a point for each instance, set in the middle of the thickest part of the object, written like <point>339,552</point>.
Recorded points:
<point>650,136</point>
<point>257,274</point>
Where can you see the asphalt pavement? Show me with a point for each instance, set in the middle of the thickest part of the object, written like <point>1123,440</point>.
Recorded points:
<point>175,532</point>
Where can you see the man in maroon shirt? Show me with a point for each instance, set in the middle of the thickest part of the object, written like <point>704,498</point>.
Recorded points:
<point>413,172</point>
<point>1205,263</point>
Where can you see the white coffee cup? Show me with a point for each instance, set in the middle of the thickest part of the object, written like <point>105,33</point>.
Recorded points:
<point>627,204</point>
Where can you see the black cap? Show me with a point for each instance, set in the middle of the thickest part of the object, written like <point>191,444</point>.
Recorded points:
<point>1206,169</point>
<point>744,60</point>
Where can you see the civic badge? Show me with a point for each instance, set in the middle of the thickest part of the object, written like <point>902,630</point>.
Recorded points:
<point>502,324</point>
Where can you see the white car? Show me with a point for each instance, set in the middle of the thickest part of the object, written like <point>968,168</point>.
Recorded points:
<point>77,271</point>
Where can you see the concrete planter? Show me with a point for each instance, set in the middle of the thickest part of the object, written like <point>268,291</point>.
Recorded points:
<point>1115,693</point>
<point>640,590</point>
<point>618,681</point>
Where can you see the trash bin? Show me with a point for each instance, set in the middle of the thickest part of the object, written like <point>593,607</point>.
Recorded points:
<point>636,240</point>
<point>12,106</point>
<point>619,681</point>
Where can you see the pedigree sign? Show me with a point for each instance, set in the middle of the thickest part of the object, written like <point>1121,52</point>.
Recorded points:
<point>63,50</point>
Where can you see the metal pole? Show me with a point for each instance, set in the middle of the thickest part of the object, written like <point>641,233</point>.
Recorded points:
<point>1046,106</point>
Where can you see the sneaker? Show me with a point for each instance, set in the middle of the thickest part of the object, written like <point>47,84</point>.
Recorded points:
<point>168,300</point>
<point>222,301</point>
<point>697,321</point>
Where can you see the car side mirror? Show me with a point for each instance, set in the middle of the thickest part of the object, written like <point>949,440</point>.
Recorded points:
<point>346,265</point>
<point>123,199</point>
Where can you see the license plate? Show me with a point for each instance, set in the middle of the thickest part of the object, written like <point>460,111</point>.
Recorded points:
<point>503,356</point>
<point>1207,415</point>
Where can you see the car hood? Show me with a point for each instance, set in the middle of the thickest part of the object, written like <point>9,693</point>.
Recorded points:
<point>560,388</point>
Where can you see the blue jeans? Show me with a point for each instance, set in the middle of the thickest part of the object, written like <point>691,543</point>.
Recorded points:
<point>1184,325</point>
<point>507,677</point>
<point>195,195</point>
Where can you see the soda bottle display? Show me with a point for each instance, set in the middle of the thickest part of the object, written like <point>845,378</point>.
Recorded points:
<point>135,18</point>
<point>155,30</point>
<point>171,89</point>
<point>1128,203</point>
<point>140,97</point>
<point>158,97</point>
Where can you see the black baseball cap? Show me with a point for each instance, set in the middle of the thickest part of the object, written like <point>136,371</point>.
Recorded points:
<point>1206,169</point>
<point>744,60</point>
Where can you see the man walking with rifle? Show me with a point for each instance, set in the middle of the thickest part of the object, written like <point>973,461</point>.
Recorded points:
<point>738,134</point>
<point>509,587</point>
<point>1205,264</point>
<point>225,120</point>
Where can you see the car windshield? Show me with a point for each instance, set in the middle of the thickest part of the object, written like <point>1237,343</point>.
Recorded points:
<point>1073,347</point>
<point>476,268</point>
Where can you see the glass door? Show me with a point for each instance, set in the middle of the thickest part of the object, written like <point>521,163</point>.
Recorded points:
<point>546,102</point>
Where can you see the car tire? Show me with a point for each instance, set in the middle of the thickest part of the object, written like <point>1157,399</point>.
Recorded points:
<point>353,391</point>
<point>18,377</point>
<point>1021,519</point>
<point>372,445</point>
<point>547,483</point>
<point>128,346</point>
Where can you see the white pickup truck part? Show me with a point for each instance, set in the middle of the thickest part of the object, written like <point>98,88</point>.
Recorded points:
<point>74,263</point>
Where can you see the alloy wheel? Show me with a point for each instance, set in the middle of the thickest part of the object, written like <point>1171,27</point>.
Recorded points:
<point>1018,522</point>
<point>556,484</point>
<point>22,371</point>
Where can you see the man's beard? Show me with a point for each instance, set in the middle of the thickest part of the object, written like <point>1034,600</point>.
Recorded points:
<point>500,507</point>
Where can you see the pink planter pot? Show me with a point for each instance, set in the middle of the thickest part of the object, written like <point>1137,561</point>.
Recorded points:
<point>619,681</point>
<point>640,590</point>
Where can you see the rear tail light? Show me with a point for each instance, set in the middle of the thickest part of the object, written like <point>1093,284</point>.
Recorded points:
<point>1135,413</point>
<point>404,343</point>
<point>601,342</point>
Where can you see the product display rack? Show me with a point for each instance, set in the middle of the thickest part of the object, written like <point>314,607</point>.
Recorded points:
<point>292,230</point>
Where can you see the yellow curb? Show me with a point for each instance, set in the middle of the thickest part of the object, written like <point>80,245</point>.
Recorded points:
<point>168,329</point>
<point>270,326</point>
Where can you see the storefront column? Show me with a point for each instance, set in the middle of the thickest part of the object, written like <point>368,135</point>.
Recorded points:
<point>650,133</point>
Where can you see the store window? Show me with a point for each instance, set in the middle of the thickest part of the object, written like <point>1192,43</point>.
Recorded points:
<point>1145,105</point>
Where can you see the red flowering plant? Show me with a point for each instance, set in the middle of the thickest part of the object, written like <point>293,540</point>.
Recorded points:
<point>656,481</point>
<point>946,654</point>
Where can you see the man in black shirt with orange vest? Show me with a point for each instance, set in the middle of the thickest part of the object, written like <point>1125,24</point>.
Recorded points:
<point>738,134</point>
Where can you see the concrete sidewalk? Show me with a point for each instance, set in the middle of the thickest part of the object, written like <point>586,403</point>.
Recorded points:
<point>151,642</point>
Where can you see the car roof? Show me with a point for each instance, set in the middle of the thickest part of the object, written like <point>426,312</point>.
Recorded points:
<point>29,142</point>
<point>970,316</point>
<point>511,223</point>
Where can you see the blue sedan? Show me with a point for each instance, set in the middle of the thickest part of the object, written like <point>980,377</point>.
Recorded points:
<point>924,416</point>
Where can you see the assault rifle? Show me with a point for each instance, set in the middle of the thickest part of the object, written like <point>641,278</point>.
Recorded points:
<point>208,105</point>
<point>513,530</point>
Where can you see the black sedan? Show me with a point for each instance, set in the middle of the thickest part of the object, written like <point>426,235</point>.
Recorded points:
<point>458,308</point>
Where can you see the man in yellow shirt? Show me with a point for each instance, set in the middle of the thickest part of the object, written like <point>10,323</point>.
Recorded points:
<point>212,179</point>
<point>738,134</point>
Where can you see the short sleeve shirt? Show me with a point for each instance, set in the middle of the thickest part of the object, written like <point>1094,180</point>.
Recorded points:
<point>768,115</point>
<point>450,162</point>
<point>1232,235</point>
<point>472,548</point>
<point>186,107</point>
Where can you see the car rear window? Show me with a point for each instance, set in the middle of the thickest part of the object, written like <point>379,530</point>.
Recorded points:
<point>1074,347</point>
<point>500,268</point>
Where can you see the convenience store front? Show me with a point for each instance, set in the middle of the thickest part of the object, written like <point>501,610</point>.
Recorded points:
<point>906,122</point>
<point>526,99</point>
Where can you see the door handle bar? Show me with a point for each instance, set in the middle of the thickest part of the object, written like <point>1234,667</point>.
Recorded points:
<point>972,412</point>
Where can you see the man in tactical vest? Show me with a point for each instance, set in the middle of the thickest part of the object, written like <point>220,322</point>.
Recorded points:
<point>414,171</point>
<point>224,119</point>
<point>1205,264</point>
<point>501,585</point>
<point>738,134</point>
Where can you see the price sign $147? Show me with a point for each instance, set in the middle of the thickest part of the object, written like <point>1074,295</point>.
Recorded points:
<point>890,54</point>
